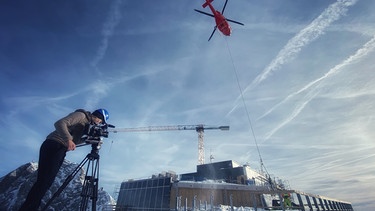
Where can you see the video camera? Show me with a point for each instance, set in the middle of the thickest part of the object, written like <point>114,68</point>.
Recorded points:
<point>95,133</point>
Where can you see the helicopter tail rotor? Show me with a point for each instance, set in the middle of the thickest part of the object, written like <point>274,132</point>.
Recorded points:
<point>207,3</point>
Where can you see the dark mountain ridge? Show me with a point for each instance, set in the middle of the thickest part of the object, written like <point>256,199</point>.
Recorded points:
<point>15,186</point>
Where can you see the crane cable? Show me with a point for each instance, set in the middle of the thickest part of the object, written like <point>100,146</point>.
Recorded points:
<point>246,110</point>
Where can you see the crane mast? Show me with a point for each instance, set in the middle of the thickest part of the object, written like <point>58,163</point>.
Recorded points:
<point>199,128</point>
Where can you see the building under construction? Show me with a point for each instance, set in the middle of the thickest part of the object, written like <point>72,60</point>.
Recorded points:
<point>215,185</point>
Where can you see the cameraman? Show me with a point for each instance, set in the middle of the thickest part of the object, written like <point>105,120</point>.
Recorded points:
<point>68,133</point>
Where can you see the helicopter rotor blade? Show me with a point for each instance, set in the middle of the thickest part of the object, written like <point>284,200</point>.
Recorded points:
<point>204,13</point>
<point>212,33</point>
<point>234,21</point>
<point>225,5</point>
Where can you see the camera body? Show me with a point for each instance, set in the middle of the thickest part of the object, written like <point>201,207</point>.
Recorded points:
<point>94,133</point>
<point>98,131</point>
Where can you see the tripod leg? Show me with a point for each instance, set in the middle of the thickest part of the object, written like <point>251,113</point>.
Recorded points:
<point>86,189</point>
<point>66,182</point>
<point>95,185</point>
<point>90,185</point>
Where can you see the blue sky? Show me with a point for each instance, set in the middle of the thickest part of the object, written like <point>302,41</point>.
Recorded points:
<point>305,69</point>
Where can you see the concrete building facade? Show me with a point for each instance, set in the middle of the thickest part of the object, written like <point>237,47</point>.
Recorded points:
<point>217,184</point>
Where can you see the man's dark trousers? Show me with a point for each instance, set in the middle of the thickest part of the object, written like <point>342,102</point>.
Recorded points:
<point>51,157</point>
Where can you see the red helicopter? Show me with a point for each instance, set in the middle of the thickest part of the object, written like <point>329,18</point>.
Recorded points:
<point>221,21</point>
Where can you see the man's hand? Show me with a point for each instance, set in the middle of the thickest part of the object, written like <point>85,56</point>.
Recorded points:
<point>71,145</point>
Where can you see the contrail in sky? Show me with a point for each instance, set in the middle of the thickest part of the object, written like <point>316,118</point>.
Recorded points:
<point>366,49</point>
<point>316,28</point>
<point>107,31</point>
<point>295,112</point>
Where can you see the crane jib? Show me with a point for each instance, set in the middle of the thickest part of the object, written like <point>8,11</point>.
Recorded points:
<point>199,128</point>
<point>166,128</point>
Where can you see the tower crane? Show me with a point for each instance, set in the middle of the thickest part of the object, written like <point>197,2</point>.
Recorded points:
<point>199,128</point>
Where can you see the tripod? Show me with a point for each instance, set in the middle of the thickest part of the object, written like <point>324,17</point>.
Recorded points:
<point>90,184</point>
